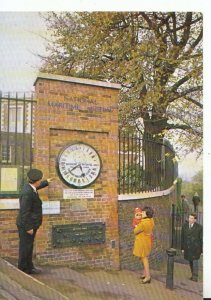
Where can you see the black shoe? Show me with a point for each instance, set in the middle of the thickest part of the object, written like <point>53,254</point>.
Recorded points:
<point>35,271</point>
<point>194,279</point>
<point>24,270</point>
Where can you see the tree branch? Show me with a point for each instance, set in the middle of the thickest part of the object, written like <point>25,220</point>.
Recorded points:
<point>180,95</point>
<point>193,89</point>
<point>186,32</point>
<point>174,27</point>
<point>169,30</point>
<point>179,83</point>
<point>184,127</point>
<point>147,19</point>
<point>183,26</point>
<point>200,105</point>
<point>197,40</point>
<point>178,126</point>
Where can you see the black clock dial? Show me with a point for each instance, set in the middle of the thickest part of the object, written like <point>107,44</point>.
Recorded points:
<point>78,165</point>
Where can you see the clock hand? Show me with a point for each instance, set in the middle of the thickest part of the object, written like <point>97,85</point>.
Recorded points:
<point>74,168</point>
<point>82,173</point>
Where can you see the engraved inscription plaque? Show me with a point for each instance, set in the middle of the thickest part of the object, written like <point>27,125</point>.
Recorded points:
<point>78,234</point>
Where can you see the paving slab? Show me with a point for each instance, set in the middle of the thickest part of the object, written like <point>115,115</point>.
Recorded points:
<point>100,284</point>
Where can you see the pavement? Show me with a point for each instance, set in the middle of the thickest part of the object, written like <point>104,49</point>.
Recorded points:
<point>66,283</point>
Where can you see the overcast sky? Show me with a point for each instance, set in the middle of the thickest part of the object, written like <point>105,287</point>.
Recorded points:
<point>21,40</point>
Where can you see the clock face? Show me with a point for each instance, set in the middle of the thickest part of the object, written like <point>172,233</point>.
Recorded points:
<point>78,165</point>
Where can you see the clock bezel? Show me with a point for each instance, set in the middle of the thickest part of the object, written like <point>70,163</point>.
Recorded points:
<point>58,161</point>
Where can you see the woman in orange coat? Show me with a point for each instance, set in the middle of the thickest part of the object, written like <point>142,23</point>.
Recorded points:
<point>143,242</point>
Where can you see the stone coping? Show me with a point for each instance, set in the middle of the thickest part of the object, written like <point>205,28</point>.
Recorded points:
<point>144,195</point>
<point>77,80</point>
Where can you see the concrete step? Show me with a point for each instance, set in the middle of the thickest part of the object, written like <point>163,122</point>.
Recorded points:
<point>16,285</point>
<point>11,290</point>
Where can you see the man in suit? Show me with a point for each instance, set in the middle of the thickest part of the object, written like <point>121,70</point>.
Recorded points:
<point>29,219</point>
<point>192,243</point>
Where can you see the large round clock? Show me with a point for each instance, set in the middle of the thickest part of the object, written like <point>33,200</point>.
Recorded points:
<point>78,165</point>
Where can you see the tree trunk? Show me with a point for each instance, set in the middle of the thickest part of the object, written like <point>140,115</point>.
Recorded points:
<point>154,155</point>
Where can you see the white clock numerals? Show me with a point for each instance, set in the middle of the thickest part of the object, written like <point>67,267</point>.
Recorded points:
<point>79,165</point>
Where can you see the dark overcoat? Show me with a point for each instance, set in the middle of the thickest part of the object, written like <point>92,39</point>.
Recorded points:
<point>196,200</point>
<point>192,241</point>
<point>30,212</point>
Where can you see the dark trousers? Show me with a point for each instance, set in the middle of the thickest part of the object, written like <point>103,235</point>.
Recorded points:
<point>194,268</point>
<point>26,242</point>
<point>195,207</point>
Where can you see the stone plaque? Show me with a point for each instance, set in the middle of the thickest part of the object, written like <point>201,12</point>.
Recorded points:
<point>51,207</point>
<point>78,194</point>
<point>9,179</point>
<point>68,235</point>
<point>9,204</point>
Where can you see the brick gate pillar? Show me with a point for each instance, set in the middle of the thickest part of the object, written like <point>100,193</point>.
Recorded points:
<point>70,111</point>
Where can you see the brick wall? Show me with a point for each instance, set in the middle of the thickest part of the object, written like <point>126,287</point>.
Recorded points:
<point>8,233</point>
<point>162,231</point>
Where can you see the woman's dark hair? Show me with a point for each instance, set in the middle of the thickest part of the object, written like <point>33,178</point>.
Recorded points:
<point>149,211</point>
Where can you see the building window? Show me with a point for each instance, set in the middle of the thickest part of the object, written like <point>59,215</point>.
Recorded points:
<point>6,154</point>
<point>16,117</point>
<point>12,121</point>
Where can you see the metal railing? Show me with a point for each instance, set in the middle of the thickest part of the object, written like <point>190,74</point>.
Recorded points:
<point>16,140</point>
<point>145,164</point>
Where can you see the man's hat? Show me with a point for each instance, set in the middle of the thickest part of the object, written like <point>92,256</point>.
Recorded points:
<point>35,175</point>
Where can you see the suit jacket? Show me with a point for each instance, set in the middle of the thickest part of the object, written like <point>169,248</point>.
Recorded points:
<point>30,213</point>
<point>192,241</point>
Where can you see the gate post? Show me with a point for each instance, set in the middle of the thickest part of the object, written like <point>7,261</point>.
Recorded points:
<point>172,226</point>
<point>170,268</point>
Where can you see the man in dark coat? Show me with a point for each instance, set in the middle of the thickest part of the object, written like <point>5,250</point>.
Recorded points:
<point>192,243</point>
<point>185,204</point>
<point>196,201</point>
<point>29,219</point>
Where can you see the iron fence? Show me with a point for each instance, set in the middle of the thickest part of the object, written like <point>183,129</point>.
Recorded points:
<point>145,164</point>
<point>16,140</point>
